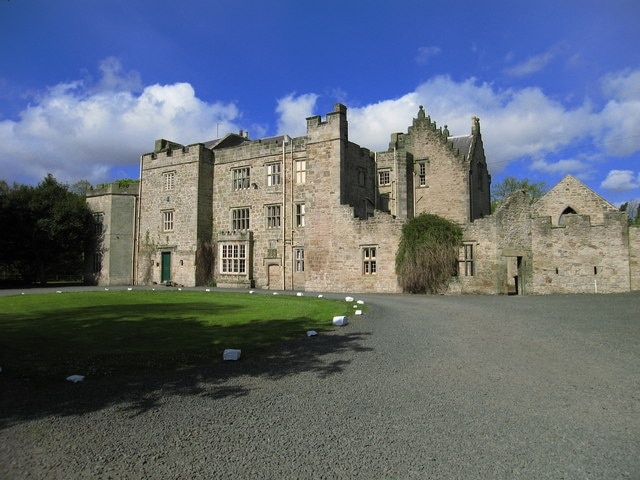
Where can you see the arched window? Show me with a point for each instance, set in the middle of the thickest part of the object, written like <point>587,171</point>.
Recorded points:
<point>566,211</point>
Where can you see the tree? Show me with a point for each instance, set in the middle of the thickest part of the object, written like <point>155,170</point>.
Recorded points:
<point>428,253</point>
<point>500,191</point>
<point>52,229</point>
<point>632,208</point>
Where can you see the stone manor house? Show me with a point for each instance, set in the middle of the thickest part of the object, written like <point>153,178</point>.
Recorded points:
<point>320,213</point>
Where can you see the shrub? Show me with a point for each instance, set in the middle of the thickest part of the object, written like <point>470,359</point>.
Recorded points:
<point>428,253</point>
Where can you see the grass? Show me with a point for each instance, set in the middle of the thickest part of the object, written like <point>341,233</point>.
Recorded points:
<point>112,332</point>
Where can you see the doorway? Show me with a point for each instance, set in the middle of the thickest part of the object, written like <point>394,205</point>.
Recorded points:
<point>165,269</point>
<point>515,284</point>
<point>274,274</point>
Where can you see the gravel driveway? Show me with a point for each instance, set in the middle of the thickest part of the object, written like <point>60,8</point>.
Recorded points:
<point>419,387</point>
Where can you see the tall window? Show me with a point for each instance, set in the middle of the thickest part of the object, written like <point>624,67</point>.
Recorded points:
<point>167,221</point>
<point>241,178</point>
<point>273,216</point>
<point>169,180</point>
<point>422,174</point>
<point>466,261</point>
<point>301,171</point>
<point>233,258</point>
<point>299,214</point>
<point>362,177</point>
<point>273,173</point>
<point>299,257</point>
<point>384,177</point>
<point>240,219</point>
<point>97,262</point>
<point>98,223</point>
<point>369,265</point>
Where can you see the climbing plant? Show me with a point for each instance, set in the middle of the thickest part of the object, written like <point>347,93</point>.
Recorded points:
<point>428,253</point>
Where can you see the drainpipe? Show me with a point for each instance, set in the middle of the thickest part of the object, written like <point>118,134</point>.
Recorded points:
<point>376,187</point>
<point>284,212</point>
<point>136,229</point>
<point>292,172</point>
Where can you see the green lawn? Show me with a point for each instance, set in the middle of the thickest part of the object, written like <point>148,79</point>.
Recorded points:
<point>110,332</point>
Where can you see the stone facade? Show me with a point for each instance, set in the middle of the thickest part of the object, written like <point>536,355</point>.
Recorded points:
<point>570,241</point>
<point>320,213</point>
<point>115,209</point>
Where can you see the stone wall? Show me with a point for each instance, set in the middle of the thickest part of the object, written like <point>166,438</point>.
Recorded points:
<point>634,257</point>
<point>446,192</point>
<point>580,257</point>
<point>572,193</point>
<point>118,206</point>
<point>189,200</point>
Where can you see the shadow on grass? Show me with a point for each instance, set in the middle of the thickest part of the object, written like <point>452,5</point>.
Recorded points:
<point>193,368</point>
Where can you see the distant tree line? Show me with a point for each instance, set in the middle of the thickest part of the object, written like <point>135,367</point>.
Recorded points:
<point>48,230</point>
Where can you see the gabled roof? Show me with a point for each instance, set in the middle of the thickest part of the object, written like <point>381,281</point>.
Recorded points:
<point>229,140</point>
<point>571,181</point>
<point>462,143</point>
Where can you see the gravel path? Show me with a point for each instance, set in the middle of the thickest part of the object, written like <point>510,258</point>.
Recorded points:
<point>418,387</point>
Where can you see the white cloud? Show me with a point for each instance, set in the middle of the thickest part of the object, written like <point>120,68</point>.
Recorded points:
<point>515,124</point>
<point>621,181</point>
<point>532,64</point>
<point>426,53</point>
<point>621,115</point>
<point>293,112</point>
<point>561,167</point>
<point>76,131</point>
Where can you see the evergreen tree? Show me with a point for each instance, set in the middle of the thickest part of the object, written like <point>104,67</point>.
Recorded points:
<point>51,230</point>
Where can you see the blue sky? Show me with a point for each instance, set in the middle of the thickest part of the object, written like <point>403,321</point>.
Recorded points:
<point>86,86</point>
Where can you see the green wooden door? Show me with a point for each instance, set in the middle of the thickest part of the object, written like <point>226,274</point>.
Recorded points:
<point>165,275</point>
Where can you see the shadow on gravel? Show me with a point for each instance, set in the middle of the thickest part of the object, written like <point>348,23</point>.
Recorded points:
<point>24,400</point>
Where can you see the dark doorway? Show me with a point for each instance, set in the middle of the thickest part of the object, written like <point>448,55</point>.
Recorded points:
<point>165,274</point>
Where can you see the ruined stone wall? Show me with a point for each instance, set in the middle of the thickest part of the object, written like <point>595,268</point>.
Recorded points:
<point>581,257</point>
<point>188,199</point>
<point>569,192</point>
<point>482,235</point>
<point>502,250</point>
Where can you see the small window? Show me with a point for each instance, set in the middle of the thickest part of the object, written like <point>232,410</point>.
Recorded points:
<point>301,171</point>
<point>169,180</point>
<point>563,216</point>
<point>384,177</point>
<point>167,221</point>
<point>369,264</point>
<point>233,258</point>
<point>362,177</point>
<point>299,258</point>
<point>422,174</point>
<point>300,215</point>
<point>466,260</point>
<point>240,219</point>
<point>241,178</point>
<point>273,216</point>
<point>273,173</point>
